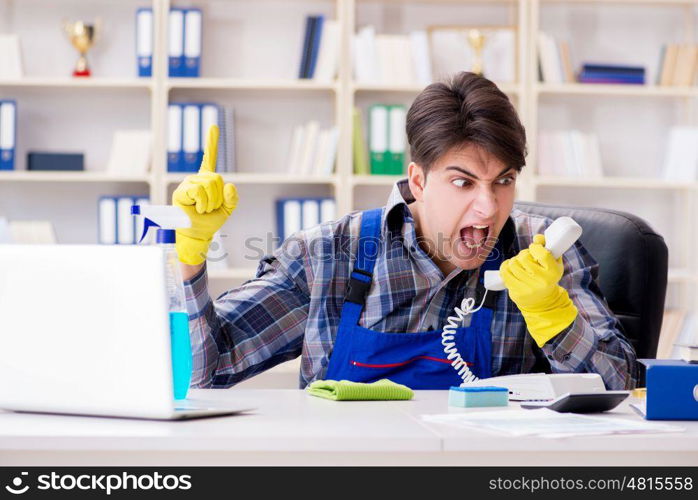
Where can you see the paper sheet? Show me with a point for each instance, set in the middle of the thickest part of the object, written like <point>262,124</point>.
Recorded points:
<point>547,423</point>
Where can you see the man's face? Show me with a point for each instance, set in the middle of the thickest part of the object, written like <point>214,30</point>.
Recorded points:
<point>462,206</point>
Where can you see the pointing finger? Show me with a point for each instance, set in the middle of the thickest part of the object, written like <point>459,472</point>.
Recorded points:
<point>208,164</point>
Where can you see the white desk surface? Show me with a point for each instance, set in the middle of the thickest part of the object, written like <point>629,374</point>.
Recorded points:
<point>289,427</point>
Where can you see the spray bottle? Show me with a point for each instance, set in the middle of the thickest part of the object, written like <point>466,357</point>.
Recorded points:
<point>166,219</point>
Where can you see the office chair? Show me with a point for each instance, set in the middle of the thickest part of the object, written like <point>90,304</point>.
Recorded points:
<point>633,261</point>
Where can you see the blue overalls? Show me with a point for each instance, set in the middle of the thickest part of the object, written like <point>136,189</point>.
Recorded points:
<point>416,360</point>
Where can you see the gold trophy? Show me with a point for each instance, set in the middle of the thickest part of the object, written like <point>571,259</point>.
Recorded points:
<point>83,36</point>
<point>476,39</point>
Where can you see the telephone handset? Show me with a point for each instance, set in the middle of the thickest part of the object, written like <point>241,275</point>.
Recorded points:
<point>559,237</point>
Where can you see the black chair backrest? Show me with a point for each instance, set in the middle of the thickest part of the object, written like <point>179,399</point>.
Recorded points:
<point>633,262</point>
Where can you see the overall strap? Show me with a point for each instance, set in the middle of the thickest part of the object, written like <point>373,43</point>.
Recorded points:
<point>367,251</point>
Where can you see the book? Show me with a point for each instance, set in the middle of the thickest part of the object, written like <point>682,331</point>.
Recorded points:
<point>296,214</point>
<point>116,224</point>
<point>315,45</point>
<point>668,65</point>
<point>131,153</point>
<point>8,133</point>
<point>421,60</point>
<point>175,42</point>
<point>397,140</point>
<point>328,57</point>
<point>294,155</point>
<point>549,59</point>
<point>144,42</point>
<point>567,70</point>
<point>613,68</point>
<point>365,60</point>
<point>681,156</point>
<point>686,60</point>
<point>378,138</point>
<point>191,137</point>
<point>310,138</point>
<point>569,153</point>
<point>604,77</point>
<point>175,161</point>
<point>305,54</point>
<point>358,143</point>
<point>672,324</point>
<point>191,60</point>
<point>5,236</point>
<point>32,232</point>
<point>311,46</point>
<point>10,57</point>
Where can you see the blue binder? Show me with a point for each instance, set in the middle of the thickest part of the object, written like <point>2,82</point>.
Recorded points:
<point>191,137</point>
<point>8,134</point>
<point>192,42</point>
<point>144,41</point>
<point>175,43</point>
<point>672,389</point>
<point>175,130</point>
<point>308,213</point>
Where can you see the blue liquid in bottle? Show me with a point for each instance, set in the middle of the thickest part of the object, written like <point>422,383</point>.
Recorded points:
<point>181,353</point>
<point>179,319</point>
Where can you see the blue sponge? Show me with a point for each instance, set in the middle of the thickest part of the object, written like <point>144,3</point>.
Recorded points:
<point>473,397</point>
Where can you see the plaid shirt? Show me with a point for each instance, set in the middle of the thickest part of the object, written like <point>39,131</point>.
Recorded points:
<point>292,307</point>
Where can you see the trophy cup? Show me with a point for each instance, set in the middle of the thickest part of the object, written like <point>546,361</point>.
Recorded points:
<point>82,35</point>
<point>476,39</point>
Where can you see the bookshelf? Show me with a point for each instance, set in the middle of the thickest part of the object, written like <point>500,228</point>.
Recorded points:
<point>245,66</point>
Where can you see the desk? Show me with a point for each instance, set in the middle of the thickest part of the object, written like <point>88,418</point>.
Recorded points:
<point>291,428</point>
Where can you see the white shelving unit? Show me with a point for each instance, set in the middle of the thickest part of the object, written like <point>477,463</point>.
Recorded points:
<point>250,60</point>
<point>633,32</point>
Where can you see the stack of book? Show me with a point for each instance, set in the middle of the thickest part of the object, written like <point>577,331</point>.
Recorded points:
<point>8,133</point>
<point>681,158</point>
<point>184,42</point>
<point>27,232</point>
<point>554,61</point>
<point>569,153</point>
<point>187,129</point>
<point>387,139</point>
<point>611,73</point>
<point>390,59</point>
<point>678,65</point>
<point>313,150</point>
<point>320,56</point>
<point>295,214</point>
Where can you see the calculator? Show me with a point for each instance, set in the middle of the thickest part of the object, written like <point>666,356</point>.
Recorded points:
<point>582,402</point>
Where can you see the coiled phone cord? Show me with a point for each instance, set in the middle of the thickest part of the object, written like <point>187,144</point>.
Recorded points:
<point>448,338</point>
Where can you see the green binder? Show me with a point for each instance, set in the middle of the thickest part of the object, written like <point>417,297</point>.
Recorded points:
<point>378,139</point>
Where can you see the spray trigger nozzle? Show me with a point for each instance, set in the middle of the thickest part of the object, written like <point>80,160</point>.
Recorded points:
<point>164,217</point>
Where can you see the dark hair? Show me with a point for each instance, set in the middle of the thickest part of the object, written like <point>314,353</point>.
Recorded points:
<point>467,109</point>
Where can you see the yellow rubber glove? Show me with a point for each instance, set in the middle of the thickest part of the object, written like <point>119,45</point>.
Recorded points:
<point>532,280</point>
<point>207,201</point>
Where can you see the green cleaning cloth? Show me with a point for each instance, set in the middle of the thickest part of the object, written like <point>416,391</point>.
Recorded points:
<point>345,390</point>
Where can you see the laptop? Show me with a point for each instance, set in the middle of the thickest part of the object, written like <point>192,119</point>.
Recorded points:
<point>84,329</point>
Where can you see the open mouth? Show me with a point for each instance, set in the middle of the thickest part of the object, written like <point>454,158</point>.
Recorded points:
<point>475,236</point>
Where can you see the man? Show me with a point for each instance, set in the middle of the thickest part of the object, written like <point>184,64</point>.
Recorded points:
<point>367,296</point>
